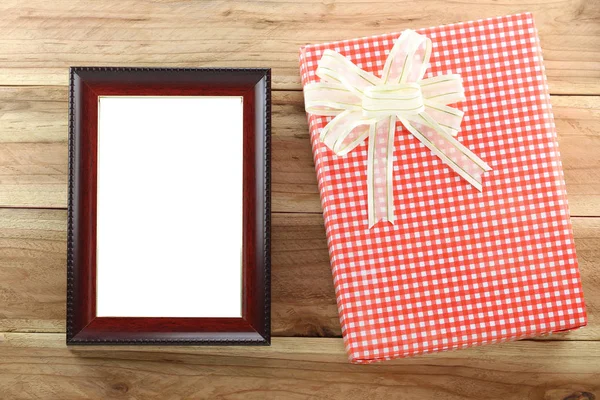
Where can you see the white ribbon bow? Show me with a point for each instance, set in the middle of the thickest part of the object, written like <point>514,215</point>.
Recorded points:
<point>367,106</point>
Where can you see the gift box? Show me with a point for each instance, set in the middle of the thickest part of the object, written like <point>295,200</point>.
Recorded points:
<point>436,248</point>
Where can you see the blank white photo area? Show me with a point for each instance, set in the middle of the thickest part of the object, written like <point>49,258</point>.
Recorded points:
<point>169,206</point>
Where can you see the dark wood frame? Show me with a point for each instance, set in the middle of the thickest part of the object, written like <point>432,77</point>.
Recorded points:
<point>86,84</point>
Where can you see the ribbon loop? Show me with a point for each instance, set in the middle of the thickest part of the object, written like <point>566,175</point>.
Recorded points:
<point>443,89</point>
<point>330,99</point>
<point>345,132</point>
<point>365,105</point>
<point>408,59</point>
<point>333,67</point>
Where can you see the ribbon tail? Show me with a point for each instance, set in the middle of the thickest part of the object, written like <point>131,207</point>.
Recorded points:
<point>459,158</point>
<point>390,170</point>
<point>380,171</point>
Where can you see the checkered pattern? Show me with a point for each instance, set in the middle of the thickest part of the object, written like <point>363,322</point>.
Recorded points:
<point>459,268</point>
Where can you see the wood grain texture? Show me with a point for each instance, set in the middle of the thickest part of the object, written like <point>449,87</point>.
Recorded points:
<point>39,40</point>
<point>33,270</point>
<point>39,366</point>
<point>33,274</point>
<point>33,171</point>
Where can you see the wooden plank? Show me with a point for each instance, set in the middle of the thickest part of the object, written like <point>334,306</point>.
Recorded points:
<point>40,366</point>
<point>33,146</point>
<point>303,298</point>
<point>39,40</point>
<point>32,274</point>
<point>33,150</point>
<point>578,126</point>
<point>33,174</point>
<point>33,114</point>
<point>33,270</point>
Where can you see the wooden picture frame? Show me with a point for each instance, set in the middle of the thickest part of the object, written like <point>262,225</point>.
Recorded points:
<point>88,87</point>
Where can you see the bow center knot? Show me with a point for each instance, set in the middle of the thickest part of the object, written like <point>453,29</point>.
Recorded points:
<point>401,99</point>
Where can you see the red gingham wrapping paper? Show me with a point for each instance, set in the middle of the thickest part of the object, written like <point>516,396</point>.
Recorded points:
<point>459,268</point>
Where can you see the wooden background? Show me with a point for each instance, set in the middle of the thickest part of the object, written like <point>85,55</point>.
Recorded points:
<point>40,39</point>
